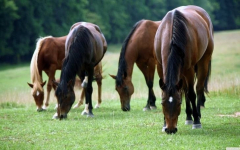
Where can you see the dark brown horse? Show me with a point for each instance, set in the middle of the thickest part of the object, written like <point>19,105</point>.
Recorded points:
<point>184,46</point>
<point>48,57</point>
<point>138,47</point>
<point>84,49</point>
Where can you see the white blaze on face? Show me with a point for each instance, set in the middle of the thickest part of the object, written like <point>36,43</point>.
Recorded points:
<point>170,99</point>
<point>37,93</point>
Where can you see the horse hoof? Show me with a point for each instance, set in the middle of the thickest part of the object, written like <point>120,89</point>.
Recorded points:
<point>188,122</point>
<point>153,107</point>
<point>97,106</point>
<point>90,115</point>
<point>40,109</point>
<point>55,116</point>
<point>84,113</point>
<point>75,106</point>
<point>196,126</point>
<point>146,109</point>
<point>44,107</point>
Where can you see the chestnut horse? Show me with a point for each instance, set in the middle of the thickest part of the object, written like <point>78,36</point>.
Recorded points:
<point>84,49</point>
<point>184,46</point>
<point>48,56</point>
<point>138,47</point>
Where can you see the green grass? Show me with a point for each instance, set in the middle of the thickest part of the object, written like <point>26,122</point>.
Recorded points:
<point>22,127</point>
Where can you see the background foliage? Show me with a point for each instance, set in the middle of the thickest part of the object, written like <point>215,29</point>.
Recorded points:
<point>23,21</point>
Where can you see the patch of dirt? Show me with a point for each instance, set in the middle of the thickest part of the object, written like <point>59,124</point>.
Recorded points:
<point>236,114</point>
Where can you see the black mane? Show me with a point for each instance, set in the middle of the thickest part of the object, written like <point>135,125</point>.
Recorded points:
<point>79,53</point>
<point>122,64</point>
<point>177,50</point>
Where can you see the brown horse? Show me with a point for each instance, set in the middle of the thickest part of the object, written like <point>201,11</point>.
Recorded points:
<point>138,47</point>
<point>84,49</point>
<point>183,47</point>
<point>48,56</point>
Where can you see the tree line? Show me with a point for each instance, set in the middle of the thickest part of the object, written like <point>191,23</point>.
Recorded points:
<point>23,21</point>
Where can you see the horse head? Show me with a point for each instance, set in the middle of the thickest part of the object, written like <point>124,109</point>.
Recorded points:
<point>65,97</point>
<point>125,90</point>
<point>171,105</point>
<point>38,94</point>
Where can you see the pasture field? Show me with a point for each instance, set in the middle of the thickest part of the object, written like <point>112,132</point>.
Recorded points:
<point>22,127</point>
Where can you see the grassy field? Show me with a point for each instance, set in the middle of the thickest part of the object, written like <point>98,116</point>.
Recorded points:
<point>22,127</point>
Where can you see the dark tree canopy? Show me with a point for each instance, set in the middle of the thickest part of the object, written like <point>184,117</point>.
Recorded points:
<point>23,21</point>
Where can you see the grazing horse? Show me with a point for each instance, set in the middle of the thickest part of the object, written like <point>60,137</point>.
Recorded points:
<point>183,47</point>
<point>138,47</point>
<point>48,56</point>
<point>84,49</point>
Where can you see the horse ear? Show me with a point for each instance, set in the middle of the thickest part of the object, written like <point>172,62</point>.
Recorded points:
<point>31,85</point>
<point>113,76</point>
<point>179,85</point>
<point>162,84</point>
<point>55,83</point>
<point>43,83</point>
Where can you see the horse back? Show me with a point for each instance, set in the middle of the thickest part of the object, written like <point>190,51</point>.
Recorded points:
<point>52,52</point>
<point>199,31</point>
<point>140,46</point>
<point>199,34</point>
<point>96,42</point>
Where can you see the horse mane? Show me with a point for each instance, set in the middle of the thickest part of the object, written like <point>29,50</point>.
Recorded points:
<point>122,64</point>
<point>35,76</point>
<point>177,50</point>
<point>80,47</point>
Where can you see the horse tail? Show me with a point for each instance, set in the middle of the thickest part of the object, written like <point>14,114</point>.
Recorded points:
<point>35,76</point>
<point>177,49</point>
<point>122,64</point>
<point>208,76</point>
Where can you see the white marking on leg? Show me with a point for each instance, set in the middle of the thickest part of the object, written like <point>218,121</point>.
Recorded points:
<point>170,99</point>
<point>85,81</point>
<point>85,111</point>
<point>97,105</point>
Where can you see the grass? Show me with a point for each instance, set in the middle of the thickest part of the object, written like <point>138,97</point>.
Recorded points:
<point>22,127</point>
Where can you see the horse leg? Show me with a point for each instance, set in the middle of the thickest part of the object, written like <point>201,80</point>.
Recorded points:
<point>188,110</point>
<point>88,93</point>
<point>81,99</point>
<point>148,72</point>
<point>99,84</point>
<point>202,74</point>
<point>190,95</point>
<point>51,77</point>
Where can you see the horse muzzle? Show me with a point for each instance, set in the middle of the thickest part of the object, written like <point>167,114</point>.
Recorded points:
<point>170,131</point>
<point>126,107</point>
<point>63,116</point>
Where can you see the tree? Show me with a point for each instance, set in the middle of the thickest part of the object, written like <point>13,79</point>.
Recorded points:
<point>8,14</point>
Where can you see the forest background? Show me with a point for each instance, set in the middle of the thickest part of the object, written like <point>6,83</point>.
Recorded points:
<point>23,21</point>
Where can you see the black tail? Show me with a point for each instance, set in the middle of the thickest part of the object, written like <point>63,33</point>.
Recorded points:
<point>122,64</point>
<point>208,77</point>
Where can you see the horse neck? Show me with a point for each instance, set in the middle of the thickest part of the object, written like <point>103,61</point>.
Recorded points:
<point>68,73</point>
